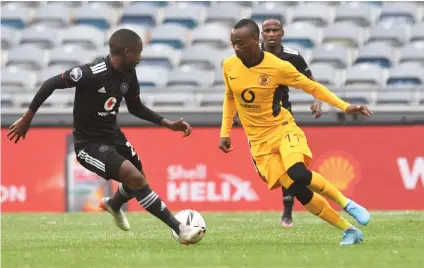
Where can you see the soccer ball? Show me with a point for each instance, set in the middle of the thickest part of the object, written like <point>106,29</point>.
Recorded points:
<point>191,218</point>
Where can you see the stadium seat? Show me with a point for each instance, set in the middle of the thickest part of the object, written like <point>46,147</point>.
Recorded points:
<point>55,15</point>
<point>60,98</point>
<point>305,35</point>
<point>46,73</point>
<point>3,58</point>
<point>96,15</point>
<point>315,13</point>
<point>269,10</point>
<point>114,4</point>
<point>153,3</point>
<point>6,100</point>
<point>9,37</point>
<point>173,35</point>
<point>365,74</point>
<point>142,14</point>
<point>402,97</point>
<point>160,55</point>
<point>170,99</point>
<point>410,73</point>
<point>201,57</point>
<point>151,76</point>
<point>186,14</point>
<point>227,13</point>
<point>87,37</point>
<point>325,74</point>
<point>399,13</point>
<point>392,34</point>
<point>14,15</point>
<point>417,33</point>
<point>140,30</point>
<point>211,100</point>
<point>359,13</point>
<point>214,35</point>
<point>12,82</point>
<point>66,3</point>
<point>190,77</point>
<point>299,97</point>
<point>41,36</point>
<point>336,55</point>
<point>218,80</point>
<point>344,33</point>
<point>359,97</point>
<point>27,57</point>
<point>100,52</point>
<point>69,56</point>
<point>376,53</point>
<point>413,52</point>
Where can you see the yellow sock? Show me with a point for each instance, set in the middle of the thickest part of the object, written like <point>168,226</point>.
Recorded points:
<point>321,208</point>
<point>322,186</point>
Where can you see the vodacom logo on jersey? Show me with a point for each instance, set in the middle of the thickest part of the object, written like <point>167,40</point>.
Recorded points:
<point>194,185</point>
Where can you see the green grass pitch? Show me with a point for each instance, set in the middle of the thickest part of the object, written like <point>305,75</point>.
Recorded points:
<point>392,239</point>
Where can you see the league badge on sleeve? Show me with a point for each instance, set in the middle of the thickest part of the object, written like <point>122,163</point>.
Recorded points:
<point>76,74</point>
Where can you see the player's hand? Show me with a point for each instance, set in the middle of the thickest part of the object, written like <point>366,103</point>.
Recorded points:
<point>316,108</point>
<point>359,109</point>
<point>18,129</point>
<point>225,145</point>
<point>179,125</point>
<point>236,120</point>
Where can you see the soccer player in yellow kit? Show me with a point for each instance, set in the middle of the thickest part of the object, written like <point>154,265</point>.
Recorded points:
<point>278,146</point>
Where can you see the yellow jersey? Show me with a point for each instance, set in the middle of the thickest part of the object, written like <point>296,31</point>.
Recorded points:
<point>252,92</point>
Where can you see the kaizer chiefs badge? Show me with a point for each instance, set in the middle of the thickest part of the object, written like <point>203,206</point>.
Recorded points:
<point>264,79</point>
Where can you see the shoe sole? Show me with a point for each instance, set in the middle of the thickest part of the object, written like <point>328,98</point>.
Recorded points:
<point>103,206</point>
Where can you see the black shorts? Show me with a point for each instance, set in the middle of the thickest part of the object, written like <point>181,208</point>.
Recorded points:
<point>106,157</point>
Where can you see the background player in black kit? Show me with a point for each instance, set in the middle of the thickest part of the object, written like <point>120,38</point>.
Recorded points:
<point>272,33</point>
<point>100,145</point>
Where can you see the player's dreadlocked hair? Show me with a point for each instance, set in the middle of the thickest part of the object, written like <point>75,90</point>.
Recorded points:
<point>253,26</point>
<point>122,39</point>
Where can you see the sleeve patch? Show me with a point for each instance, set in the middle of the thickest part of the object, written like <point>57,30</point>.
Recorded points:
<point>76,74</point>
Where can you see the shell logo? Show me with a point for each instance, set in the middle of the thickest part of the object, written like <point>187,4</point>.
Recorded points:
<point>340,169</point>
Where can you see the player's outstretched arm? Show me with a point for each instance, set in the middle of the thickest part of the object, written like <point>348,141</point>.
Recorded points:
<point>21,126</point>
<point>288,75</point>
<point>138,109</point>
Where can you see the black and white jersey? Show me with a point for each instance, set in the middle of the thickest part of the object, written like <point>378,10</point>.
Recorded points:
<point>299,63</point>
<point>99,92</point>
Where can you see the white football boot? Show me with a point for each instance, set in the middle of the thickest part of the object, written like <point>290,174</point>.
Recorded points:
<point>118,216</point>
<point>189,234</point>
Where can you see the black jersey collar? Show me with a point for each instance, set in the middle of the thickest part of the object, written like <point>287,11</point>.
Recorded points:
<point>253,64</point>
<point>263,47</point>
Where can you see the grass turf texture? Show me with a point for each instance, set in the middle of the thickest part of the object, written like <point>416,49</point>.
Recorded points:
<point>393,239</point>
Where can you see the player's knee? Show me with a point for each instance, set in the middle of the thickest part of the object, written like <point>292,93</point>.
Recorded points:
<point>131,176</point>
<point>300,174</point>
<point>302,193</point>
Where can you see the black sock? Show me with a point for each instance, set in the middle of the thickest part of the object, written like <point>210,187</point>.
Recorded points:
<point>151,202</point>
<point>121,196</point>
<point>288,202</point>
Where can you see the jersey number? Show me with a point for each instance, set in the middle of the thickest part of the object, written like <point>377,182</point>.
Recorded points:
<point>110,103</point>
<point>132,149</point>
<point>293,139</point>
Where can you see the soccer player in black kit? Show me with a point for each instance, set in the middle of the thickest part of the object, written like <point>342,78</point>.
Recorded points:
<point>100,145</point>
<point>272,33</point>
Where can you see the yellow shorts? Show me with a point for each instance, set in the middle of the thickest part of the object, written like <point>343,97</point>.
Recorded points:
<point>275,156</point>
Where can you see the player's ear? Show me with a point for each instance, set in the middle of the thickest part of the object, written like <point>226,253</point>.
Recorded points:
<point>126,51</point>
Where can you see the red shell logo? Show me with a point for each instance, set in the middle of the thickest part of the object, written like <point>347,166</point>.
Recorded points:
<point>339,168</point>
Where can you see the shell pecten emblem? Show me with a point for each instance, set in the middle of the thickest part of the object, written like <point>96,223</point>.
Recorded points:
<point>340,169</point>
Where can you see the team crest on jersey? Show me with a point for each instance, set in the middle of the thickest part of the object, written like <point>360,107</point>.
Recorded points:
<point>103,148</point>
<point>76,74</point>
<point>124,88</point>
<point>264,79</point>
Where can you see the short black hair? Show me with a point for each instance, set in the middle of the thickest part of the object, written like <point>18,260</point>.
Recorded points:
<point>272,18</point>
<point>253,26</point>
<point>122,39</point>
